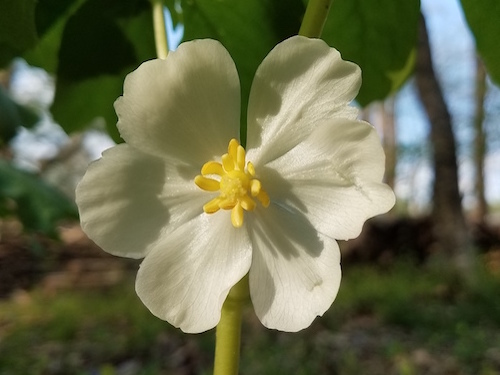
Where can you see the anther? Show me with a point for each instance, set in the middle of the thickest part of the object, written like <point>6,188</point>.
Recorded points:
<point>207,183</point>
<point>227,162</point>
<point>237,216</point>
<point>212,167</point>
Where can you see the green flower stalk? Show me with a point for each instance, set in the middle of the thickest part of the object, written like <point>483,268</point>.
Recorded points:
<point>160,32</point>
<point>315,18</point>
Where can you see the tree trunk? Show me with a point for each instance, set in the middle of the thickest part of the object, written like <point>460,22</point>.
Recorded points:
<point>480,141</point>
<point>389,141</point>
<point>381,115</point>
<point>449,227</point>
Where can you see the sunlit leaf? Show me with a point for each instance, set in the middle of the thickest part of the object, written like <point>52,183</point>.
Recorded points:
<point>483,19</point>
<point>380,36</point>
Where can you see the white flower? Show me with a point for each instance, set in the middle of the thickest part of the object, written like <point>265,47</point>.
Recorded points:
<point>315,176</point>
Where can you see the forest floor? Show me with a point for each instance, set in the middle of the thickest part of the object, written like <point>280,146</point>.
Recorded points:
<point>66,307</point>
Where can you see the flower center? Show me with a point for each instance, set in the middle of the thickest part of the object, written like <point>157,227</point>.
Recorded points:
<point>235,182</point>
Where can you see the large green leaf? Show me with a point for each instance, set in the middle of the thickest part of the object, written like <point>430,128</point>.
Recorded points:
<point>483,17</point>
<point>17,28</point>
<point>38,205</point>
<point>248,29</point>
<point>380,36</point>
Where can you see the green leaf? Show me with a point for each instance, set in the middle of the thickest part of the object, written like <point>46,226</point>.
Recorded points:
<point>37,205</point>
<point>82,30</point>
<point>92,44</point>
<point>248,29</point>
<point>483,19</point>
<point>138,30</point>
<point>17,28</point>
<point>78,103</point>
<point>51,17</point>
<point>50,12</point>
<point>91,48</point>
<point>12,116</point>
<point>380,36</point>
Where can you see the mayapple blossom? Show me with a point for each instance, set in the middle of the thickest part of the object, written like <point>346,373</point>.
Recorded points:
<point>204,212</point>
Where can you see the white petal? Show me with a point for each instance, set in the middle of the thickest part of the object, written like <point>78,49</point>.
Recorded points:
<point>301,83</point>
<point>295,273</point>
<point>128,199</point>
<point>334,178</point>
<point>187,105</point>
<point>187,276</point>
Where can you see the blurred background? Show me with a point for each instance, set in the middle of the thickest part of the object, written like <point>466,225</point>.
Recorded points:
<point>421,286</point>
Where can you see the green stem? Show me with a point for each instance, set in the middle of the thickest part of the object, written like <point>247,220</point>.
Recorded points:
<point>160,30</point>
<point>315,18</point>
<point>228,332</point>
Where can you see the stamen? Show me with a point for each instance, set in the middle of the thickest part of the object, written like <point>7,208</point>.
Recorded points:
<point>264,198</point>
<point>240,158</point>
<point>251,168</point>
<point>238,188</point>
<point>237,216</point>
<point>207,183</point>
<point>212,206</point>
<point>247,203</point>
<point>232,148</point>
<point>212,167</point>
<point>255,187</point>
<point>226,204</point>
<point>228,162</point>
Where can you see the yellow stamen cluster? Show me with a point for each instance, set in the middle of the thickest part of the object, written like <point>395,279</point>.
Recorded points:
<point>236,183</point>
